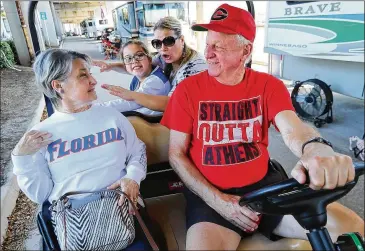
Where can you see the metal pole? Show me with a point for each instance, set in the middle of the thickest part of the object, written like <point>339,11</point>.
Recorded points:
<point>33,31</point>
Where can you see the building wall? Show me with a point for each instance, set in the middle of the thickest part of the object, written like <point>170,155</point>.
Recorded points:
<point>47,26</point>
<point>57,23</point>
<point>17,32</point>
<point>5,32</point>
<point>5,29</point>
<point>77,12</point>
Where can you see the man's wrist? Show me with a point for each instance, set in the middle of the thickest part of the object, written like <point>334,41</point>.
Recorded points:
<point>316,144</point>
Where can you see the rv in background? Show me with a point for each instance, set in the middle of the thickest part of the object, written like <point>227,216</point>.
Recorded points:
<point>93,27</point>
<point>136,19</point>
<point>318,39</point>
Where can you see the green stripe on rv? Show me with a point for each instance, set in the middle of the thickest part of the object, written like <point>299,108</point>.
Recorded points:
<point>346,31</point>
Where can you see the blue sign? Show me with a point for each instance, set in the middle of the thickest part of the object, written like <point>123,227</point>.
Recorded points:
<point>43,15</point>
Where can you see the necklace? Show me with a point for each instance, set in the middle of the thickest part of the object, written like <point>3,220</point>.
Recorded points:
<point>82,109</point>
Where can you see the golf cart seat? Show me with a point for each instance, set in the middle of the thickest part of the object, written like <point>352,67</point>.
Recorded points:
<point>169,213</point>
<point>161,179</point>
<point>169,210</point>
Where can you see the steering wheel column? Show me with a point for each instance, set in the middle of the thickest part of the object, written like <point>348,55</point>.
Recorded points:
<point>306,205</point>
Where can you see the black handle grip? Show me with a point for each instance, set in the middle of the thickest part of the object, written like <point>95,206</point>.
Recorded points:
<point>359,168</point>
<point>286,185</point>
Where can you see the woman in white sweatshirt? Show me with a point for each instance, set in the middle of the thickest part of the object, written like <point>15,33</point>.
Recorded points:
<point>81,147</point>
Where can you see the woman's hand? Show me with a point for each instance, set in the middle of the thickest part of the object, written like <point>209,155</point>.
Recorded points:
<point>31,142</point>
<point>103,65</point>
<point>128,186</point>
<point>119,92</point>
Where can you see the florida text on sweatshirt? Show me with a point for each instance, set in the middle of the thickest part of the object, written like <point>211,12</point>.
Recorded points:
<point>90,151</point>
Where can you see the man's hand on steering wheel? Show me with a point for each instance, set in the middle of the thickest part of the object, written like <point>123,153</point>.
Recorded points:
<point>326,169</point>
<point>242,217</point>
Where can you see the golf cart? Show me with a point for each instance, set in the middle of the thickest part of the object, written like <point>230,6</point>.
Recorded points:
<point>166,206</point>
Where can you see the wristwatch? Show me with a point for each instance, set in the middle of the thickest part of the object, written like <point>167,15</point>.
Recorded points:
<point>317,140</point>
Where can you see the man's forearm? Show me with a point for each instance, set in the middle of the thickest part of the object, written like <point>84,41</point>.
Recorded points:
<point>194,180</point>
<point>294,138</point>
<point>153,102</point>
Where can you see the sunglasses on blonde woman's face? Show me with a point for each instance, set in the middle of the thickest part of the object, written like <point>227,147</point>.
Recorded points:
<point>139,56</point>
<point>167,41</point>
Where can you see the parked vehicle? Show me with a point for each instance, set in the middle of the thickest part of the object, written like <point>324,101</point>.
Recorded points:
<point>93,27</point>
<point>135,19</point>
<point>314,39</point>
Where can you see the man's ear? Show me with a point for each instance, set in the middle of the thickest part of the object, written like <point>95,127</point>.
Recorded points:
<point>56,85</point>
<point>246,51</point>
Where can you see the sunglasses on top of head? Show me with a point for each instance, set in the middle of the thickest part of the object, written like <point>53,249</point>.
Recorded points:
<point>167,41</point>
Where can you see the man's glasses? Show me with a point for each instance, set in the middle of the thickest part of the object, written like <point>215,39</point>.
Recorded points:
<point>167,41</point>
<point>139,56</point>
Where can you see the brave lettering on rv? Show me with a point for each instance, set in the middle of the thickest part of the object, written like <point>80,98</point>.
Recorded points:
<point>313,9</point>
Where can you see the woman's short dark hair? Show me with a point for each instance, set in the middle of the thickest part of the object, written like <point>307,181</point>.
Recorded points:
<point>55,64</point>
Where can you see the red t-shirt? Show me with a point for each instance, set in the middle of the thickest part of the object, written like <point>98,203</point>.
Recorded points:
<point>229,124</point>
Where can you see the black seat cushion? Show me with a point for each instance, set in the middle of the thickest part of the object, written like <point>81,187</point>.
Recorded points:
<point>150,119</point>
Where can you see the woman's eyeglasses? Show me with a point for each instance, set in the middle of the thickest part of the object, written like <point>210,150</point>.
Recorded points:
<point>167,41</point>
<point>139,56</point>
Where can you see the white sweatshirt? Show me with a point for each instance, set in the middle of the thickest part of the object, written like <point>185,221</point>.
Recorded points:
<point>155,84</point>
<point>90,151</point>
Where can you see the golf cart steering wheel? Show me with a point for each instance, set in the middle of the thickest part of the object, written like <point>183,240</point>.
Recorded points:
<point>308,207</point>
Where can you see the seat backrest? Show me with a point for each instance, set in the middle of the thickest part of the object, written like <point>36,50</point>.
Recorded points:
<point>161,178</point>
<point>155,136</point>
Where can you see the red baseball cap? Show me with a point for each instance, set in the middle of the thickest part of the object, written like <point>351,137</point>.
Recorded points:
<point>231,20</point>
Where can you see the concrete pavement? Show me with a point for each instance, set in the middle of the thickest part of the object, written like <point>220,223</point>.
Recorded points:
<point>88,46</point>
<point>21,108</point>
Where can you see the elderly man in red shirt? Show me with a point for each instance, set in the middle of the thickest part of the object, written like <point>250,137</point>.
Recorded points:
<point>219,121</point>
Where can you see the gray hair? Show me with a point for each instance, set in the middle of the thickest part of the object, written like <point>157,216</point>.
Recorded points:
<point>169,23</point>
<point>241,40</point>
<point>55,64</point>
<point>139,43</point>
